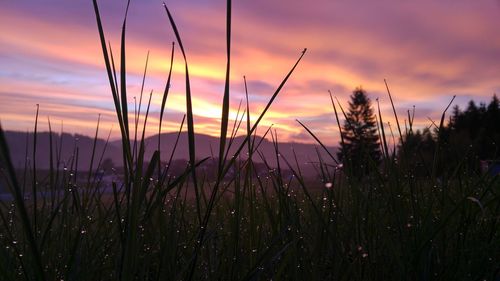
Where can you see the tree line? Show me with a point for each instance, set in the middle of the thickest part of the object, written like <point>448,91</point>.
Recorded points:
<point>469,138</point>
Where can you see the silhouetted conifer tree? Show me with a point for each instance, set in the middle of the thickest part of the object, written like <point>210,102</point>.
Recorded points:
<point>360,135</point>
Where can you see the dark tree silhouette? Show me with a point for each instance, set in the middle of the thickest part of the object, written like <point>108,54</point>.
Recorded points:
<point>360,134</point>
<point>477,129</point>
<point>417,151</point>
<point>107,165</point>
<point>472,136</point>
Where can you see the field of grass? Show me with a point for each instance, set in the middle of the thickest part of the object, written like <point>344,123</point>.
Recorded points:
<point>389,225</point>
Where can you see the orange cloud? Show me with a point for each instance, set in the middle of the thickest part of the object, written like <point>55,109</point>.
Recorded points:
<point>428,52</point>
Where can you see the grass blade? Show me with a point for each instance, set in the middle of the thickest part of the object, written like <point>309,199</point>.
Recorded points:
<point>189,114</point>
<point>35,178</point>
<point>394,110</point>
<point>338,120</point>
<point>114,90</point>
<point>23,210</point>
<point>382,132</point>
<point>225,101</point>
<point>123,75</point>
<point>320,143</point>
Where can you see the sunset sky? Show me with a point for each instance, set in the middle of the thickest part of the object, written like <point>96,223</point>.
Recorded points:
<point>427,50</point>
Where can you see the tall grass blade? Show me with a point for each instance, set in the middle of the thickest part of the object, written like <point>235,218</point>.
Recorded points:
<point>225,100</point>
<point>123,75</point>
<point>394,110</point>
<point>337,119</point>
<point>439,139</point>
<point>249,149</point>
<point>167,87</point>
<point>52,173</point>
<point>382,132</point>
<point>94,146</point>
<point>35,178</point>
<point>264,111</point>
<point>189,113</point>
<point>137,110</point>
<point>319,142</point>
<point>15,189</point>
<point>164,102</point>
<point>114,91</point>
<point>174,148</point>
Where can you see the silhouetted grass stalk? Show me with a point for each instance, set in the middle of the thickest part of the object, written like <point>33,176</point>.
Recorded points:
<point>257,217</point>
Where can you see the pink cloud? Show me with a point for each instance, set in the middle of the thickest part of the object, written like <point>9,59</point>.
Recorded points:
<point>428,51</point>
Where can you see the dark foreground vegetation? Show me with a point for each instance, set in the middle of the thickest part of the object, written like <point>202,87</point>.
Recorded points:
<point>395,220</point>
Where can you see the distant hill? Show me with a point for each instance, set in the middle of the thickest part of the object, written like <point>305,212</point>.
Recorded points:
<point>206,146</point>
<point>65,145</point>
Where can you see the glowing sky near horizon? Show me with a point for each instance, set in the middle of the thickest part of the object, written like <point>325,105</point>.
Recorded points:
<point>427,50</point>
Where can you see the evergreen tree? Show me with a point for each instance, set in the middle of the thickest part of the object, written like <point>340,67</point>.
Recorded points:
<point>360,134</point>
<point>473,134</point>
